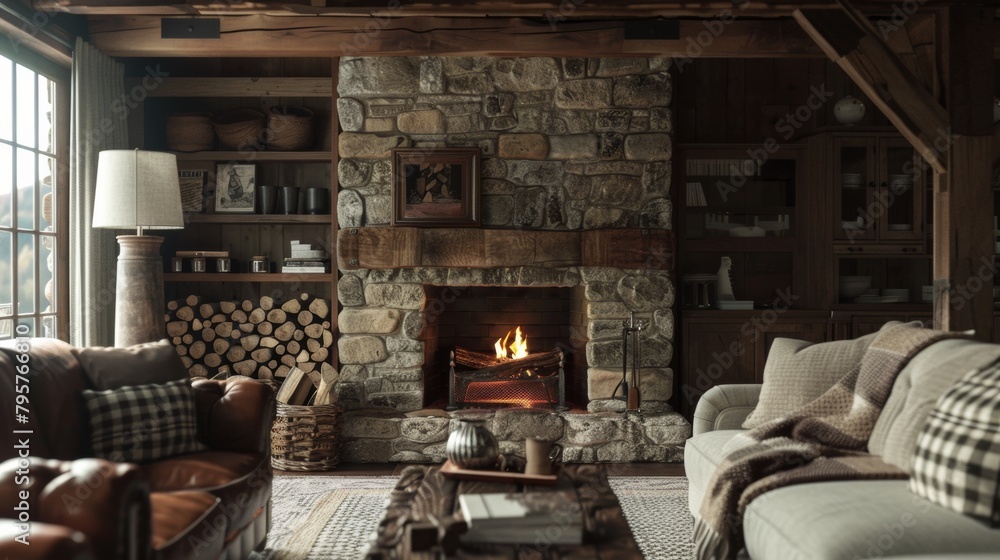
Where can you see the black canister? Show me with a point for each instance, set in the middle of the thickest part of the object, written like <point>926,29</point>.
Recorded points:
<point>267,199</point>
<point>288,200</point>
<point>317,200</point>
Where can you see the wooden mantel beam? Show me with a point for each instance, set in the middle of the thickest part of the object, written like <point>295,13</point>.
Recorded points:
<point>853,44</point>
<point>406,247</point>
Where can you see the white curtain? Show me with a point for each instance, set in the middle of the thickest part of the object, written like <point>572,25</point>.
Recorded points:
<point>98,82</point>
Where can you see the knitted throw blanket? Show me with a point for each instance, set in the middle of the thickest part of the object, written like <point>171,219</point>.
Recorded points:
<point>824,440</point>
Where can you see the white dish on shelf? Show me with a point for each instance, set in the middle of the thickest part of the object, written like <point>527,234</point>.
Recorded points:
<point>746,231</point>
<point>743,304</point>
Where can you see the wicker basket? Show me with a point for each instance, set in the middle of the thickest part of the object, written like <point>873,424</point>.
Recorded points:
<point>289,128</point>
<point>240,129</point>
<point>190,132</point>
<point>305,438</point>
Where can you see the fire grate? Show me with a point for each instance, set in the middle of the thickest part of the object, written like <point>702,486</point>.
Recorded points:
<point>536,380</point>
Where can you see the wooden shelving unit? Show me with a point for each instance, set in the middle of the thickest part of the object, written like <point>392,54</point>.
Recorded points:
<point>285,157</point>
<point>247,277</point>
<point>257,218</point>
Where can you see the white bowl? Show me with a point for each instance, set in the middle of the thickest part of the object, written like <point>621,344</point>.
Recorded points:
<point>853,286</point>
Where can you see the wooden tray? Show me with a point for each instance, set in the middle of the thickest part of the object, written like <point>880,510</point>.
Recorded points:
<point>451,470</point>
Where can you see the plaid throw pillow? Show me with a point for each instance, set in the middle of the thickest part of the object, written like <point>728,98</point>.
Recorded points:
<point>142,423</point>
<point>957,460</point>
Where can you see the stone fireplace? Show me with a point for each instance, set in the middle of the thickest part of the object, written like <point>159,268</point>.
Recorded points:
<point>570,147</point>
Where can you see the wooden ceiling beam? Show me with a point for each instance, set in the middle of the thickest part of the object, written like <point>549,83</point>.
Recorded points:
<point>261,35</point>
<point>558,9</point>
<point>852,43</point>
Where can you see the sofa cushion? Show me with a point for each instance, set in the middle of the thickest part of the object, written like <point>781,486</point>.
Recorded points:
<point>185,525</point>
<point>143,423</point>
<point>142,364</point>
<point>241,480</point>
<point>797,372</point>
<point>917,389</point>
<point>702,455</point>
<point>843,520</point>
<point>957,461</point>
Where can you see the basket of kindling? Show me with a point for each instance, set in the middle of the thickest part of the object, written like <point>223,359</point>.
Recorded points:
<point>305,437</point>
<point>240,129</point>
<point>289,128</point>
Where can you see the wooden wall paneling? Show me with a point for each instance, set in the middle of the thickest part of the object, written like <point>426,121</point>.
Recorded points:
<point>711,100</point>
<point>821,76</point>
<point>791,82</point>
<point>334,65</point>
<point>758,92</point>
<point>736,128</point>
<point>230,241</point>
<point>685,103</point>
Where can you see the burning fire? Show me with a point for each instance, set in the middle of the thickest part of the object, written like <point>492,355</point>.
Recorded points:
<point>518,348</point>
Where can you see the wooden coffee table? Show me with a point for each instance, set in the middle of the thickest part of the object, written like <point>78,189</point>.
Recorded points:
<point>423,518</point>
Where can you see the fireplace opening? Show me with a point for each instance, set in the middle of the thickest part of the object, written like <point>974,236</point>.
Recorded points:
<point>473,320</point>
<point>524,380</point>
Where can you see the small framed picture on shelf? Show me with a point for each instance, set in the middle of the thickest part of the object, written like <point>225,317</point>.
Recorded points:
<point>234,187</point>
<point>192,189</point>
<point>435,187</point>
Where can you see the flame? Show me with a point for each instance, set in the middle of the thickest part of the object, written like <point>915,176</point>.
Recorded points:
<point>518,348</point>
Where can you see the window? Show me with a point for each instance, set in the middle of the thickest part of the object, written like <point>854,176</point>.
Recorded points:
<point>30,184</point>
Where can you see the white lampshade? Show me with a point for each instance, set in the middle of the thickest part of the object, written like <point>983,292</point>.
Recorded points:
<point>137,189</point>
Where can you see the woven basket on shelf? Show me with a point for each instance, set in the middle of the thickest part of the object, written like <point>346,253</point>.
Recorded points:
<point>240,129</point>
<point>305,438</point>
<point>289,128</point>
<point>190,132</point>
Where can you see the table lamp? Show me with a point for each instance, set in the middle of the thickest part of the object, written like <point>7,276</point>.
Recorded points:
<point>138,188</point>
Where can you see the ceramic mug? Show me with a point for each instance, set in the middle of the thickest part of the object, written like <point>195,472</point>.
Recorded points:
<point>541,456</point>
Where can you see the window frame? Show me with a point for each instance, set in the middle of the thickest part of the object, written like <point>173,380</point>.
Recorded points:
<point>60,77</point>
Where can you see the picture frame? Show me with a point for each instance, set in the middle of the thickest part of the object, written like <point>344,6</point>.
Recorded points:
<point>192,183</point>
<point>436,187</point>
<point>235,184</point>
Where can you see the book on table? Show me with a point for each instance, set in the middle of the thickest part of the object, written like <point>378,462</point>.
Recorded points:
<point>529,518</point>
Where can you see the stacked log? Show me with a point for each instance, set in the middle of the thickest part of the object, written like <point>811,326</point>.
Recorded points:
<point>261,339</point>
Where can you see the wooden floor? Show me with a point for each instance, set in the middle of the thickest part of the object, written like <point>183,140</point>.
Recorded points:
<point>394,469</point>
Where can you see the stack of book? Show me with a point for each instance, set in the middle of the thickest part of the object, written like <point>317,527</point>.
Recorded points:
<point>306,259</point>
<point>532,518</point>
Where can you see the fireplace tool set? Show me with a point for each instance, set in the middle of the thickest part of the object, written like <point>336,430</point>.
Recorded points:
<point>630,341</point>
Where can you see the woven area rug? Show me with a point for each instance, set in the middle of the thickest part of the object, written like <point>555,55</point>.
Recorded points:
<point>332,518</point>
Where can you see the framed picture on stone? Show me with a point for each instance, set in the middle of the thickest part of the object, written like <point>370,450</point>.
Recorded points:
<point>435,187</point>
<point>234,187</point>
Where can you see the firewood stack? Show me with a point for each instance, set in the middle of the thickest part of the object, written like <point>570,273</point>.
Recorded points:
<point>253,338</point>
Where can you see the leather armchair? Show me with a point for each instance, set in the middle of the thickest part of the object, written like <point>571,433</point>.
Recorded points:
<point>213,504</point>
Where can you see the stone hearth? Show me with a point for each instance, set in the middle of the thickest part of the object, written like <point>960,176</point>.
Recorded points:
<point>567,144</point>
<point>604,437</point>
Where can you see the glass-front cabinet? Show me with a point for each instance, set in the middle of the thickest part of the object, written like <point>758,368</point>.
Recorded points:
<point>878,184</point>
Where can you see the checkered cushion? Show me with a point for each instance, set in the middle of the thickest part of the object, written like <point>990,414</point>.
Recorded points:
<point>143,423</point>
<point>957,460</point>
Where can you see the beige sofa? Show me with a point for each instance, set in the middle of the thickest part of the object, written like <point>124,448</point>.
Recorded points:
<point>850,519</point>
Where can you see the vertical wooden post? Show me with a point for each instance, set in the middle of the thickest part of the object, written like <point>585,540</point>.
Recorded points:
<point>334,223</point>
<point>963,201</point>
